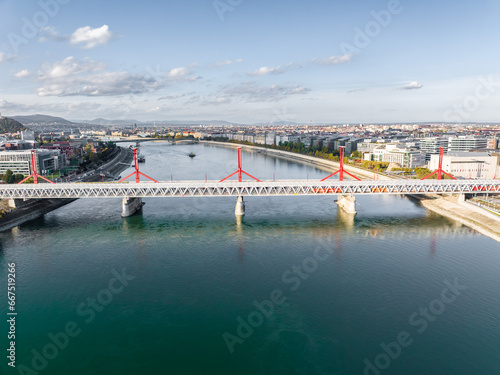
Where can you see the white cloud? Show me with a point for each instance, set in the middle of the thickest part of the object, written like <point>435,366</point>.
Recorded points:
<point>222,99</point>
<point>172,97</point>
<point>250,92</point>
<point>69,67</point>
<point>71,77</point>
<point>49,33</point>
<point>334,60</point>
<point>86,37</point>
<point>177,73</point>
<point>57,109</point>
<point>225,62</point>
<point>355,90</point>
<point>412,85</point>
<point>265,70</point>
<point>6,58</point>
<point>90,38</point>
<point>181,74</point>
<point>22,73</point>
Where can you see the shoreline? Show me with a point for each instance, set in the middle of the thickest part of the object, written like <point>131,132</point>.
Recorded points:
<point>449,207</point>
<point>34,210</point>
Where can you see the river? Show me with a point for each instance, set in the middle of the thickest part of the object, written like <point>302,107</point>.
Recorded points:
<point>296,287</point>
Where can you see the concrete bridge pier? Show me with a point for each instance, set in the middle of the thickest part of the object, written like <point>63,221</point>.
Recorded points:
<point>131,205</point>
<point>347,203</point>
<point>240,207</point>
<point>16,203</point>
<point>346,219</point>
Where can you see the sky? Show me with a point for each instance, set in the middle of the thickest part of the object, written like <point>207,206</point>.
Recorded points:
<point>252,61</point>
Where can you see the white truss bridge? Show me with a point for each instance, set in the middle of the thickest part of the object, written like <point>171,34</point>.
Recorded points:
<point>245,188</point>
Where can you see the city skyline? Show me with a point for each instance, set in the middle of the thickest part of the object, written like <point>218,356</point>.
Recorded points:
<point>250,62</point>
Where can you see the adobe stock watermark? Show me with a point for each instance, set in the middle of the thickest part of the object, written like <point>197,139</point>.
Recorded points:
<point>372,29</point>
<point>223,6</point>
<point>31,26</point>
<point>88,310</point>
<point>265,309</point>
<point>462,111</point>
<point>420,320</point>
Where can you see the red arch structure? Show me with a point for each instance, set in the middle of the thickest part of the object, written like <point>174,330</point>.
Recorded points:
<point>137,172</point>
<point>440,170</point>
<point>35,174</point>
<point>341,171</point>
<point>240,171</point>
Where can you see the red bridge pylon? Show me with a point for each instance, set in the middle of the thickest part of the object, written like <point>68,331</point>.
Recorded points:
<point>440,170</point>
<point>136,172</point>
<point>341,171</point>
<point>35,174</point>
<point>240,171</point>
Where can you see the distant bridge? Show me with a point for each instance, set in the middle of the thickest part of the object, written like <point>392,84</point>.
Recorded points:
<point>170,140</point>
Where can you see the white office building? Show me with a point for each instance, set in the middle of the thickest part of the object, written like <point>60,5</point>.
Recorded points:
<point>466,143</point>
<point>395,153</point>
<point>467,165</point>
<point>432,145</point>
<point>406,158</point>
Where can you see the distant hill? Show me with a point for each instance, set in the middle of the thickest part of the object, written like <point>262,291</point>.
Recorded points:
<point>8,125</point>
<point>280,123</point>
<point>103,121</point>
<point>197,122</point>
<point>124,122</point>
<point>42,120</point>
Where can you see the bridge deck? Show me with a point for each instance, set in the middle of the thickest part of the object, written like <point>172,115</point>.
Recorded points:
<point>245,188</point>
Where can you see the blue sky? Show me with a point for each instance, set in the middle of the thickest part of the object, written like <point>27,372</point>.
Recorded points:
<point>251,61</point>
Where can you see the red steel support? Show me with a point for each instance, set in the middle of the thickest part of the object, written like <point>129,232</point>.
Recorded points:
<point>341,171</point>
<point>35,174</point>
<point>240,171</point>
<point>136,172</point>
<point>440,170</point>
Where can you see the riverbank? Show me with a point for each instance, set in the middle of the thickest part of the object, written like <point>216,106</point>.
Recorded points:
<point>31,211</point>
<point>465,213</point>
<point>35,209</point>
<point>358,172</point>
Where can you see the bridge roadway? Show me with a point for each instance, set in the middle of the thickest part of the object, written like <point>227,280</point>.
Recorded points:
<point>245,188</point>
